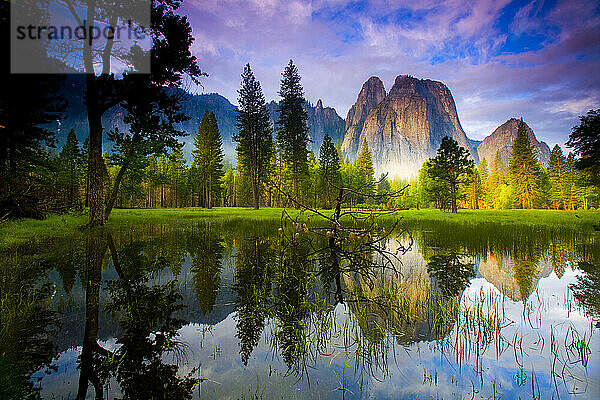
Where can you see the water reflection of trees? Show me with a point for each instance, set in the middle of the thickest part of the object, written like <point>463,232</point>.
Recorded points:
<point>587,290</point>
<point>254,274</point>
<point>146,315</point>
<point>206,252</point>
<point>295,287</point>
<point>513,258</point>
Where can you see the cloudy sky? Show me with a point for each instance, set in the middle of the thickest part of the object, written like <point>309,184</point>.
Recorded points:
<point>500,58</point>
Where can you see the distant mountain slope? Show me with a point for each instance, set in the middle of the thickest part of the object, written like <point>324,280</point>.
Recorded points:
<point>502,139</point>
<point>193,105</point>
<point>321,119</point>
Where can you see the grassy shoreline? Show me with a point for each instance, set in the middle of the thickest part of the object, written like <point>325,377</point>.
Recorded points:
<point>29,230</point>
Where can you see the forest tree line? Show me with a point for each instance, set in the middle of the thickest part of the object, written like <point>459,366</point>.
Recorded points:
<point>275,168</point>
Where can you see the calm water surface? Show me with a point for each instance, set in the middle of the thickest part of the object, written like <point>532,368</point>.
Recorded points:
<point>226,310</point>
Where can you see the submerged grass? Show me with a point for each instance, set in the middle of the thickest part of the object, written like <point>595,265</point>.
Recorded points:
<point>29,230</point>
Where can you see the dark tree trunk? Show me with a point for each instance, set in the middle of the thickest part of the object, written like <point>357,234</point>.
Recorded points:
<point>95,254</point>
<point>255,196</point>
<point>115,192</point>
<point>453,197</point>
<point>95,162</point>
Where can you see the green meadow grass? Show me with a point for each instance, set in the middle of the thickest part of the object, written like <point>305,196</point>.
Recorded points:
<point>29,230</point>
<point>513,217</point>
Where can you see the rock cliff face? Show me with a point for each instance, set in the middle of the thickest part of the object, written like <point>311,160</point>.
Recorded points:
<point>371,94</point>
<point>322,120</point>
<point>502,139</point>
<point>406,127</point>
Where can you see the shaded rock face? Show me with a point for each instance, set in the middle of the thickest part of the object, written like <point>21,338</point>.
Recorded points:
<point>502,139</point>
<point>406,127</point>
<point>371,94</point>
<point>321,121</point>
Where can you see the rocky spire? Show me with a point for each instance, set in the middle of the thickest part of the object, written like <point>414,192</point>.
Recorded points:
<point>371,94</point>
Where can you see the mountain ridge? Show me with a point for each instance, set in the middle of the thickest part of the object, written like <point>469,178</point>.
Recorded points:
<point>322,119</point>
<point>502,139</point>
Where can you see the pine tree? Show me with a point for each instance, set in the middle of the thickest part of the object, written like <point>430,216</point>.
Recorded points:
<point>176,170</point>
<point>329,168</point>
<point>570,180</point>
<point>254,139</point>
<point>496,182</point>
<point>228,187</point>
<point>432,190</point>
<point>451,166</point>
<point>585,140</point>
<point>364,164</point>
<point>473,187</point>
<point>524,170</point>
<point>70,158</point>
<point>556,176</point>
<point>209,158</point>
<point>482,168</point>
<point>292,126</point>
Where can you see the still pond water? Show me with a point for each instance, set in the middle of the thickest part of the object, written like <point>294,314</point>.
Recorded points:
<point>229,309</point>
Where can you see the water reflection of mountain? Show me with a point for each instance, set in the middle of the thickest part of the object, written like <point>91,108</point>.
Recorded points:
<point>503,272</point>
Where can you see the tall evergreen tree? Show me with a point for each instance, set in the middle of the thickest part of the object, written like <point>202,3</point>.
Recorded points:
<point>364,164</point>
<point>176,169</point>
<point>556,176</point>
<point>585,139</point>
<point>70,157</point>
<point>570,183</point>
<point>496,182</point>
<point>483,170</point>
<point>209,158</point>
<point>524,169</point>
<point>292,126</point>
<point>254,139</point>
<point>451,166</point>
<point>329,168</point>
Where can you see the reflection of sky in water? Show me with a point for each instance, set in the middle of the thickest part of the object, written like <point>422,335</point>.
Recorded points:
<point>216,350</point>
